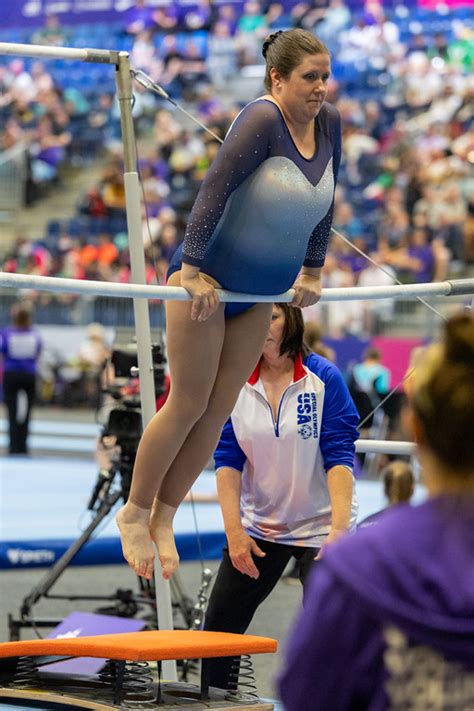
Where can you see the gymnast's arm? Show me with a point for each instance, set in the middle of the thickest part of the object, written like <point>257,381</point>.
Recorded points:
<point>229,460</point>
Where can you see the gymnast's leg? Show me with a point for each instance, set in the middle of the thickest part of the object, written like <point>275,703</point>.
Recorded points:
<point>194,350</point>
<point>244,339</point>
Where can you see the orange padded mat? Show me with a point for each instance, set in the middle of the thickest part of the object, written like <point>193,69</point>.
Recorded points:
<point>144,646</point>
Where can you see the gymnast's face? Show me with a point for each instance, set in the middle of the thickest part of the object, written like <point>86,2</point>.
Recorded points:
<point>302,93</point>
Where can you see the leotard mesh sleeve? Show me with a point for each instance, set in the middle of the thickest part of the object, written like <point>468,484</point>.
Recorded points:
<point>318,242</point>
<point>245,147</point>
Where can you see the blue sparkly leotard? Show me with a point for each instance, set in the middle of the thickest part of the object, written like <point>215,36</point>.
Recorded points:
<point>263,209</point>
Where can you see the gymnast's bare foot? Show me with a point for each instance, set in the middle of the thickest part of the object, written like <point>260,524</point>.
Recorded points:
<point>161,531</point>
<point>137,545</point>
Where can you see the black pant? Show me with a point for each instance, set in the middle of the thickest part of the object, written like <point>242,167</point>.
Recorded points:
<point>15,382</point>
<point>235,597</point>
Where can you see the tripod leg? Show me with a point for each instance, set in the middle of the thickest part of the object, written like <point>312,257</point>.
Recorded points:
<point>59,567</point>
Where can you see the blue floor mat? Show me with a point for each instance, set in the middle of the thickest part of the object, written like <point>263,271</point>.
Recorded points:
<point>43,510</point>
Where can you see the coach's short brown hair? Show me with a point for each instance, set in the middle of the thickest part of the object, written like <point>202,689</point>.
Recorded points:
<point>292,343</point>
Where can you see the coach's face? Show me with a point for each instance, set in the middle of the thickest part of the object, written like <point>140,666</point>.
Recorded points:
<point>275,333</point>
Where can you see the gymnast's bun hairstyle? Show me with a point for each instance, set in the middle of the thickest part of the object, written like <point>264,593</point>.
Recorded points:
<point>443,396</point>
<point>285,50</point>
<point>268,41</point>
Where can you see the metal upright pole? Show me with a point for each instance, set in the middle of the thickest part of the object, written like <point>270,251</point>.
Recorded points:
<point>140,306</point>
<point>132,199</point>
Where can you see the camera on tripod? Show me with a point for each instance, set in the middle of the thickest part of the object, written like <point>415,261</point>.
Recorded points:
<point>121,433</point>
<point>125,421</point>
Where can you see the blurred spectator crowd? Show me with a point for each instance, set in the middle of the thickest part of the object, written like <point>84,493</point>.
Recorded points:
<point>402,81</point>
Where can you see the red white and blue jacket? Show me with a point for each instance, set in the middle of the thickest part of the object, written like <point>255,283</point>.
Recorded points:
<point>284,492</point>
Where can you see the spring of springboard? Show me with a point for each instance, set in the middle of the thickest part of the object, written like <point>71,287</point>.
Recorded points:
<point>108,673</point>
<point>26,673</point>
<point>242,683</point>
<point>137,689</point>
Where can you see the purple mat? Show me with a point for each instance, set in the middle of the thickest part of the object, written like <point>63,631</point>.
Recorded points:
<point>88,624</point>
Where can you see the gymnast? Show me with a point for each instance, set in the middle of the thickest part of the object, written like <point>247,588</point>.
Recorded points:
<point>260,225</point>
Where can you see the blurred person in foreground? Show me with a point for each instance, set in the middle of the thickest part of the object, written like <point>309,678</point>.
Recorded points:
<point>20,346</point>
<point>389,615</point>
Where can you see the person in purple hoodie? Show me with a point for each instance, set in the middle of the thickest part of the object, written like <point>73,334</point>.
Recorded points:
<point>20,346</point>
<point>389,616</point>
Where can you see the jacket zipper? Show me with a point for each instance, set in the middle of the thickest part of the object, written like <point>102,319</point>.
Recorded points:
<point>276,424</point>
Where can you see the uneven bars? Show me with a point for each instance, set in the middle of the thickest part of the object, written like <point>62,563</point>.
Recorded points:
<point>455,287</point>
<point>379,446</point>
<point>100,56</point>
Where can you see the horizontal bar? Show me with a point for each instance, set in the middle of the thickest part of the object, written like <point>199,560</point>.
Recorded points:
<point>177,293</point>
<point>43,437</point>
<point>64,435</point>
<point>100,56</point>
<point>363,446</point>
<point>461,287</point>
